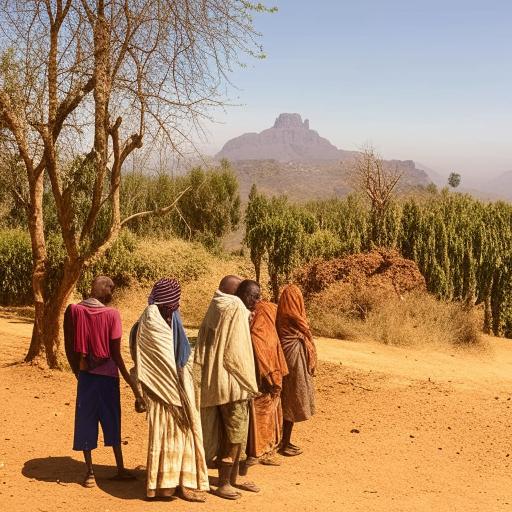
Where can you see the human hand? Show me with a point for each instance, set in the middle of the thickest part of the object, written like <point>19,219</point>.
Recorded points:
<point>140,405</point>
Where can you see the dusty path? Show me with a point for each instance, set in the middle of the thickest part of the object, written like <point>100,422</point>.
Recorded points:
<point>442,444</point>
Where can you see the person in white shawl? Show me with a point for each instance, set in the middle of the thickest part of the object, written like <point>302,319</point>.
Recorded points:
<point>161,351</point>
<point>226,378</point>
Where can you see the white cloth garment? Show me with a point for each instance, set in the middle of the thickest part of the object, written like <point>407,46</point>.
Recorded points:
<point>224,359</point>
<point>175,446</point>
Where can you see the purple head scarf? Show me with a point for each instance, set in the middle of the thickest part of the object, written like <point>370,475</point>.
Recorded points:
<point>166,292</point>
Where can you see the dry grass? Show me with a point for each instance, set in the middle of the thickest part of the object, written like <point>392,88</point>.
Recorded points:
<point>420,319</point>
<point>354,312</point>
<point>343,310</point>
<point>198,271</point>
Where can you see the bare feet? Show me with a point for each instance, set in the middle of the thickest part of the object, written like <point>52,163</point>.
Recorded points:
<point>165,493</point>
<point>227,492</point>
<point>160,494</point>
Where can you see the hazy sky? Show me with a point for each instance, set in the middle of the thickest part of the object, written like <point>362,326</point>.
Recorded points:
<point>424,80</point>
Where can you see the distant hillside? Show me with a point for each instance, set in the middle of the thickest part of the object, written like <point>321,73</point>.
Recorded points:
<point>436,178</point>
<point>500,186</point>
<point>292,159</point>
<point>302,181</point>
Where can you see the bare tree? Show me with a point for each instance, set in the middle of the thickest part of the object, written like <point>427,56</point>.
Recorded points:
<point>378,182</point>
<point>83,83</point>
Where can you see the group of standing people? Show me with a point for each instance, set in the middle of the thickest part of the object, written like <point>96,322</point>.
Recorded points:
<point>228,404</point>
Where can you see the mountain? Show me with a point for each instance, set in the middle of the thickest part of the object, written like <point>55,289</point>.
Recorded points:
<point>289,140</point>
<point>500,186</point>
<point>436,178</point>
<point>291,158</point>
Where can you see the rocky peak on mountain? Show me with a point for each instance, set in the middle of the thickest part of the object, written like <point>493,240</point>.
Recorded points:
<point>291,121</point>
<point>289,140</point>
<point>290,158</point>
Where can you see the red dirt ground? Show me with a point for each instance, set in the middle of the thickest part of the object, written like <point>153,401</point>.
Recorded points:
<point>433,434</point>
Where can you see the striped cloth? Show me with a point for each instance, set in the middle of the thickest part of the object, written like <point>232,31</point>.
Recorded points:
<point>175,445</point>
<point>166,292</point>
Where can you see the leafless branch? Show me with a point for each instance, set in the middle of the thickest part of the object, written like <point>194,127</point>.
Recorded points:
<point>156,211</point>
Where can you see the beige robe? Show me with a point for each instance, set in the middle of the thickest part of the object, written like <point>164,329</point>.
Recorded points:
<point>223,358</point>
<point>175,447</point>
<point>224,367</point>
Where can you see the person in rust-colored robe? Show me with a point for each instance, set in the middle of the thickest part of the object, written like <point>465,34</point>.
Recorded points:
<point>265,427</point>
<point>298,394</point>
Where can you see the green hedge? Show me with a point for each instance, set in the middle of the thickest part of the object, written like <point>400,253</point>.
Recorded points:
<point>130,260</point>
<point>15,268</point>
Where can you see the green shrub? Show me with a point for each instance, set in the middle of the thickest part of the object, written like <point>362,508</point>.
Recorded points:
<point>209,210</point>
<point>15,267</point>
<point>322,244</point>
<point>119,263</point>
<point>130,260</point>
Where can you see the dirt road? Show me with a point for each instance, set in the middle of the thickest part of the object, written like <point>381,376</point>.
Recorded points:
<point>395,430</point>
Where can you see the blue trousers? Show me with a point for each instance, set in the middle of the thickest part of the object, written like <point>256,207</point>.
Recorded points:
<point>97,401</point>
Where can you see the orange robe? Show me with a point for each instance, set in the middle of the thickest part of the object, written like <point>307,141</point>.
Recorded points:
<point>265,429</point>
<point>298,391</point>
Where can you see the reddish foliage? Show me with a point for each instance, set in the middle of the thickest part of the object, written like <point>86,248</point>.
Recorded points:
<point>382,269</point>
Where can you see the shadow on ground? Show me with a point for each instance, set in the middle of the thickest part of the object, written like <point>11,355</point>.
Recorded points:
<point>66,471</point>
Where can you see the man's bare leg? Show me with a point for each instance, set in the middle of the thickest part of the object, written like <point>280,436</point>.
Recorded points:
<point>122,472</point>
<point>226,466</point>
<point>287,448</point>
<point>245,486</point>
<point>89,480</point>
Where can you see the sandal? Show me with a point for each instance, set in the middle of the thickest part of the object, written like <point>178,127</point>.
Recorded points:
<point>289,452</point>
<point>248,486</point>
<point>270,461</point>
<point>89,481</point>
<point>227,495</point>
<point>192,495</point>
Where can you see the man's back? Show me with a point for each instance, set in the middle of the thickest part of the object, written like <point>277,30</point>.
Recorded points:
<point>224,352</point>
<point>94,327</point>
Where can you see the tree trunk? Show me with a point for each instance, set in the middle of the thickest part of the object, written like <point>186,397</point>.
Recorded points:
<point>274,284</point>
<point>54,313</point>
<point>487,315</point>
<point>39,258</point>
<point>36,347</point>
<point>47,331</point>
<point>257,270</point>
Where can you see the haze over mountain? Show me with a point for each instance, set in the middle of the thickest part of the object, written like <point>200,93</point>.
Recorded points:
<point>500,186</point>
<point>289,140</point>
<point>291,158</point>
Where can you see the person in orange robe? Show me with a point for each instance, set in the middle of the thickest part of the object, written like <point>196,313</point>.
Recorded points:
<point>265,427</point>
<point>298,394</point>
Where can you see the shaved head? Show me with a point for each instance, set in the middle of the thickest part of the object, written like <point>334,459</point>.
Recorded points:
<point>250,293</point>
<point>102,288</point>
<point>229,284</point>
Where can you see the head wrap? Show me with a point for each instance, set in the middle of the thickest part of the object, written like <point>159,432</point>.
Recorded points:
<point>291,321</point>
<point>166,292</point>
